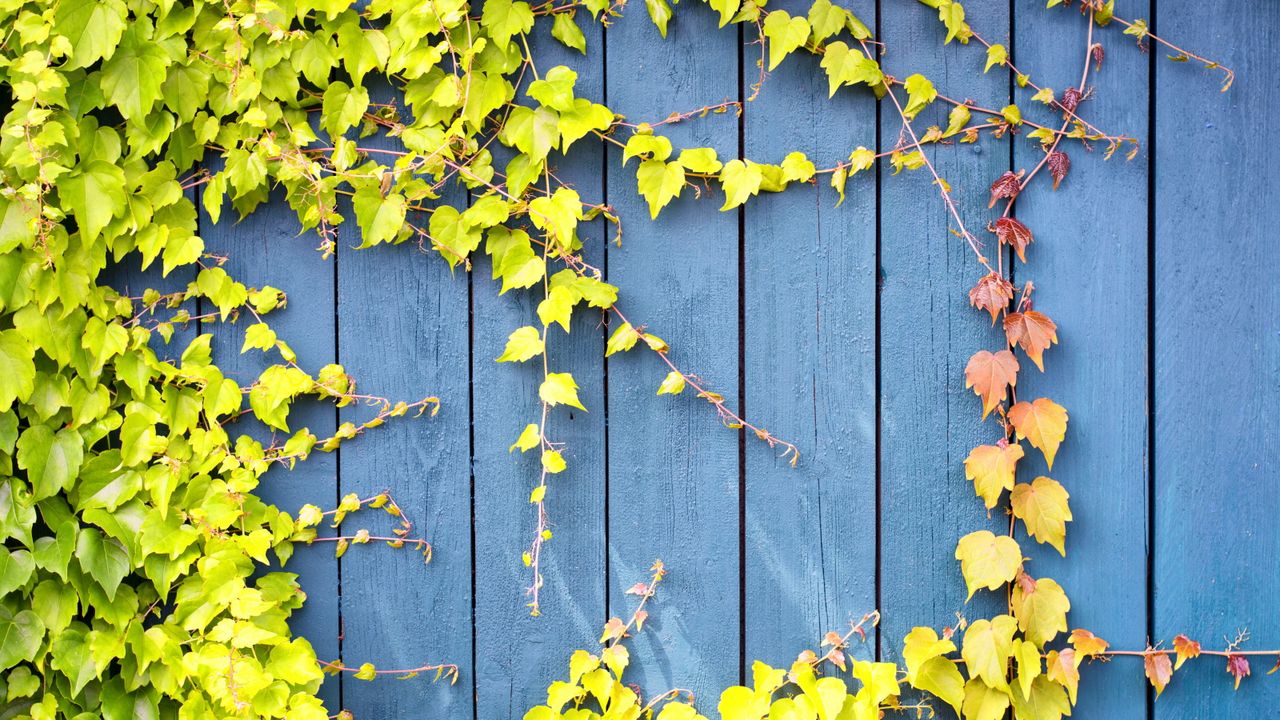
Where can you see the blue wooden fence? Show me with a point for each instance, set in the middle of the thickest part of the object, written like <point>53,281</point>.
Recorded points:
<point>845,329</point>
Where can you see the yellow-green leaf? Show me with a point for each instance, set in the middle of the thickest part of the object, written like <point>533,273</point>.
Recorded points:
<point>560,389</point>
<point>1042,505</point>
<point>982,702</point>
<point>528,439</point>
<point>988,644</point>
<point>992,469</point>
<point>988,560</point>
<point>1041,608</point>
<point>522,344</point>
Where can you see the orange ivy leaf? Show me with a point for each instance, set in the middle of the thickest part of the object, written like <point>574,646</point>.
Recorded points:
<point>1033,331</point>
<point>992,469</point>
<point>1064,669</point>
<point>1014,234</point>
<point>992,293</point>
<point>1186,649</point>
<point>615,629</point>
<point>1087,644</point>
<point>1158,668</point>
<point>1043,423</point>
<point>990,374</point>
<point>1238,667</point>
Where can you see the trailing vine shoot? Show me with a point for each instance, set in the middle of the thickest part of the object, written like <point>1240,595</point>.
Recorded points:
<point>140,573</point>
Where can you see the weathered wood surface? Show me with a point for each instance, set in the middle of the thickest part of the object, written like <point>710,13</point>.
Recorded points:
<point>845,329</point>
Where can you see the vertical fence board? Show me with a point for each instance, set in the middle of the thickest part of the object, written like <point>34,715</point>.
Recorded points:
<point>809,363</point>
<point>673,470</point>
<point>403,325</point>
<point>1089,265</point>
<point>265,248</point>
<point>511,646</point>
<point>1217,355</point>
<point>928,331</point>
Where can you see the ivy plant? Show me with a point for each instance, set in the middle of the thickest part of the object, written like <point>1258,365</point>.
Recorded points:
<point>140,574</point>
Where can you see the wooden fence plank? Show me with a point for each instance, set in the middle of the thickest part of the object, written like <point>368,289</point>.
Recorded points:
<point>512,647</point>
<point>809,364</point>
<point>928,331</point>
<point>1089,265</point>
<point>266,249</point>
<point>673,470</point>
<point>403,333</point>
<point>1217,355</point>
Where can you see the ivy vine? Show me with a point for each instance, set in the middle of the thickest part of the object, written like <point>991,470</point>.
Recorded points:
<point>139,571</point>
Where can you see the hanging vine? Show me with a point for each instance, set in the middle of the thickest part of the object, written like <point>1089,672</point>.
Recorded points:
<point>132,578</point>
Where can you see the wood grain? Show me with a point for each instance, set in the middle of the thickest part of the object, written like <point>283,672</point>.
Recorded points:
<point>810,364</point>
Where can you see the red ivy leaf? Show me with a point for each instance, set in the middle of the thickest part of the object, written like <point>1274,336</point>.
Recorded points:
<point>992,293</point>
<point>1016,235</point>
<point>1070,99</point>
<point>1059,164</point>
<point>1007,185</point>
<point>638,589</point>
<point>1238,666</point>
<point>1158,668</point>
<point>1098,56</point>
<point>837,658</point>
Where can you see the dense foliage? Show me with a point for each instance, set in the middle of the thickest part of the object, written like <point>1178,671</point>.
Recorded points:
<point>132,578</point>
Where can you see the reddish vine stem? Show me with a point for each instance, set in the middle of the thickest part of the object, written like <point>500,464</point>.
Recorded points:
<point>615,629</point>
<point>937,179</point>
<point>839,642</point>
<point>1214,653</point>
<point>1084,79</point>
<point>449,670</point>
<point>1070,113</point>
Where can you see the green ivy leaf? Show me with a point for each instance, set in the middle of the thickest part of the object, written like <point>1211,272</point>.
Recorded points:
<point>524,343</point>
<point>826,19</point>
<point>920,92</point>
<point>21,634</point>
<point>17,368</point>
<point>660,14</point>
<point>659,183</point>
<point>94,28</point>
<point>380,217</point>
<point>700,160</point>
<point>94,194</point>
<point>741,180</point>
<point>726,8</point>
<point>528,440</point>
<point>52,460</point>
<point>996,55</point>
<point>849,67</point>
<point>16,567</point>
<point>672,384</point>
<point>131,79</point>
<point>797,168</point>
<point>565,29</point>
<point>104,558</point>
<point>785,34</point>
<point>560,389</point>
<point>555,88</point>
